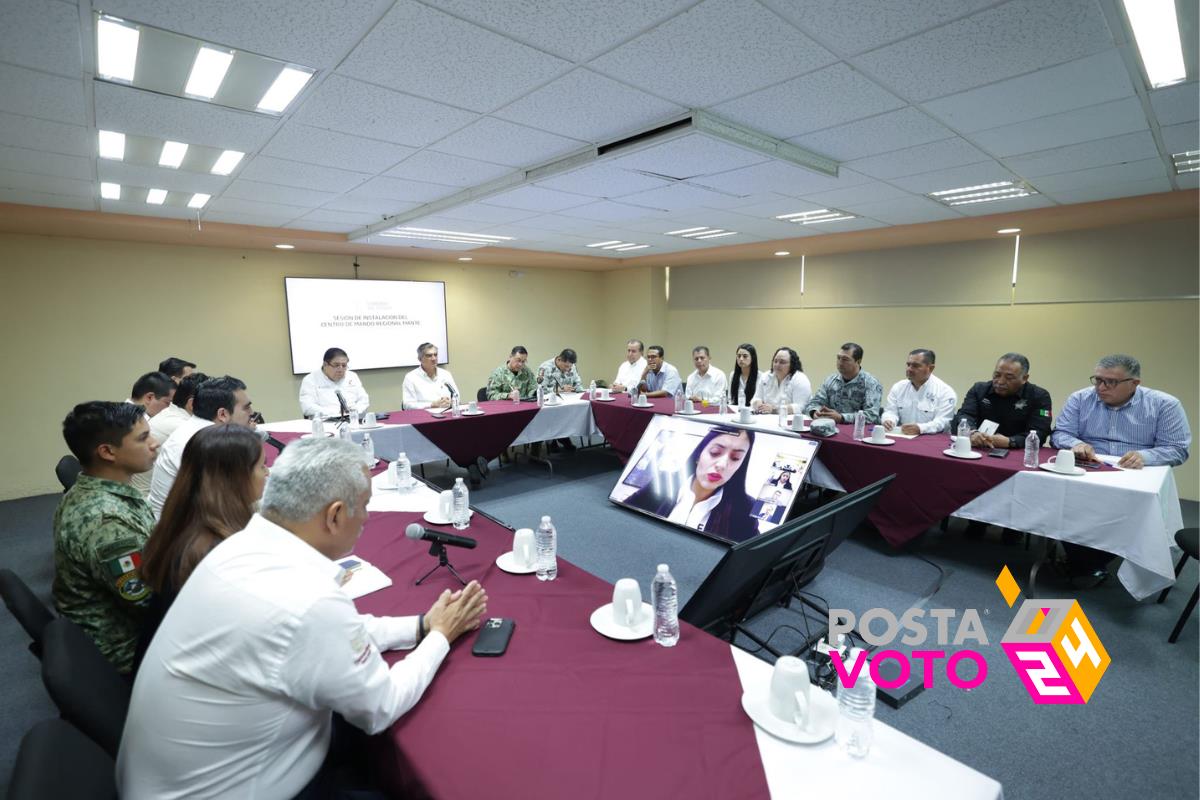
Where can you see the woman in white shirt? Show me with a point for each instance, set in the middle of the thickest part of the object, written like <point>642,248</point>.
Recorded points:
<point>785,385</point>
<point>744,377</point>
<point>712,498</point>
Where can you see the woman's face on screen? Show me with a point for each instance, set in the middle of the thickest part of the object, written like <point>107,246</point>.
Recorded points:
<point>720,459</point>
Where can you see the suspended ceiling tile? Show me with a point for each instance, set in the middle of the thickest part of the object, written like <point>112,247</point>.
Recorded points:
<point>1071,127</point>
<point>712,52</point>
<point>271,193</point>
<point>324,227</point>
<point>535,198</point>
<point>1174,104</point>
<point>481,213</point>
<point>773,206</point>
<point>448,59</point>
<point>36,94</point>
<point>901,211</point>
<point>863,193</point>
<point>573,29</point>
<point>1003,206</point>
<point>442,223</point>
<point>1115,174</point>
<point>327,215</point>
<point>236,205</point>
<point>820,99</point>
<point>32,198</point>
<point>1002,42</point>
<point>923,158</point>
<point>333,149</point>
<point>1181,138</point>
<point>954,178</point>
<point>243,218</point>
<point>1114,150</point>
<point>1084,82</point>
<point>501,142</point>
<point>746,226</point>
<point>46,184</point>
<point>608,211</point>
<point>377,206</point>
<point>357,108</point>
<point>449,170</point>
<point>144,209</point>
<point>602,180</point>
<point>42,35</point>
<point>154,177</point>
<point>680,197</point>
<point>40,134</point>
<point>841,226</point>
<point>688,156</point>
<point>894,130</point>
<point>778,177</point>
<point>863,25</point>
<point>398,189</point>
<point>1109,191</point>
<point>128,110</point>
<point>305,176</point>
<point>1190,180</point>
<point>43,163</point>
<point>315,33</point>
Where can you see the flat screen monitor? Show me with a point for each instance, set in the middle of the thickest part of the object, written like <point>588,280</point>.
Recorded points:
<point>378,323</point>
<point>725,481</point>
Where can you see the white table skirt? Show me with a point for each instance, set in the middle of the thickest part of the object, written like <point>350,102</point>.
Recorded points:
<point>898,766</point>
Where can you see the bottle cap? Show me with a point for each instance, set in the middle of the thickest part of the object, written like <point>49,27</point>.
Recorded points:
<point>662,568</point>
<point>544,519</point>
<point>401,456</point>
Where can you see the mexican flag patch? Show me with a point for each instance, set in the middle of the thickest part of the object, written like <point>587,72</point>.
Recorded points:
<point>124,565</point>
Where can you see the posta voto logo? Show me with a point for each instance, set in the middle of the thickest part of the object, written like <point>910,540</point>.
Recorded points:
<point>1050,643</point>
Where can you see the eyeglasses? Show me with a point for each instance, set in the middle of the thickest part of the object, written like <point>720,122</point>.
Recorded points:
<point>1109,383</point>
<point>338,364</point>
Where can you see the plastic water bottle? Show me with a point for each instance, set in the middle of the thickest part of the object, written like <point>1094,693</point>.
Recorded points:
<point>455,409</point>
<point>1032,450</point>
<point>724,409</point>
<point>369,448</point>
<point>545,540</point>
<point>679,400</point>
<point>664,596</point>
<point>541,396</point>
<point>856,709</point>
<point>318,426</point>
<point>403,473</point>
<point>860,425</point>
<point>592,390</point>
<point>782,414</point>
<point>462,504</point>
<point>344,432</point>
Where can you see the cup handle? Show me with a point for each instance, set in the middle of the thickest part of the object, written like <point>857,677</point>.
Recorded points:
<point>800,711</point>
<point>630,612</point>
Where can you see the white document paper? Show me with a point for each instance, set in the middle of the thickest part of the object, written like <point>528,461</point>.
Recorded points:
<point>362,578</point>
<point>987,427</point>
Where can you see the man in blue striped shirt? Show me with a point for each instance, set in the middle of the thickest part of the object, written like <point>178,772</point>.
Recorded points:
<point>1145,427</point>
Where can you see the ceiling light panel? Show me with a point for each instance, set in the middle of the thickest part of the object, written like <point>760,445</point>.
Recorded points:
<point>112,145</point>
<point>172,154</point>
<point>701,233</point>
<point>169,63</point>
<point>815,217</point>
<point>1186,162</point>
<point>227,162</point>
<point>110,191</point>
<point>198,200</point>
<point>156,197</point>
<point>1156,31</point>
<point>617,246</point>
<point>983,193</point>
<point>418,235</point>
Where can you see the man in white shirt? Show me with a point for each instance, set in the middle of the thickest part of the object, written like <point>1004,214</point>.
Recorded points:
<point>217,400</point>
<point>176,368</point>
<point>153,392</point>
<point>923,402</point>
<point>428,386</point>
<point>320,388</point>
<point>164,423</point>
<point>632,368</point>
<point>661,379</point>
<point>236,694</point>
<point>706,381</point>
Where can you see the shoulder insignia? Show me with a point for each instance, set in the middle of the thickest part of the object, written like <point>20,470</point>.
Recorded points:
<point>124,571</point>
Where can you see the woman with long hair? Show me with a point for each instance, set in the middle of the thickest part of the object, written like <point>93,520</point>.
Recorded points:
<point>712,496</point>
<point>221,478</point>
<point>744,377</point>
<point>785,385</point>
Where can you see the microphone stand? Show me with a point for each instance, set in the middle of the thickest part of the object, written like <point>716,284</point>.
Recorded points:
<point>439,549</point>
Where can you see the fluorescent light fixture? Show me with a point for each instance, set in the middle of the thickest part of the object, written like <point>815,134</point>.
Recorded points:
<point>1016,258</point>
<point>1156,30</point>
<point>992,185</point>
<point>701,233</point>
<point>112,145</point>
<point>813,217</point>
<point>459,233</point>
<point>172,154</point>
<point>784,253</point>
<point>116,49</point>
<point>285,247</point>
<point>626,247</point>
<point>801,274</point>
<point>682,231</point>
<point>603,244</point>
<point>983,193</point>
<point>436,235</point>
<point>618,246</point>
<point>208,70</point>
<point>283,91</point>
<point>227,162</point>
<point>716,235</point>
<point>1186,162</point>
<point>466,258</point>
<point>1008,230</point>
<point>198,200</point>
<point>110,191</point>
<point>155,197</point>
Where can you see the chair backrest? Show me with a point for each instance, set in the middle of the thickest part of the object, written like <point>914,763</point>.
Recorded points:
<point>67,470</point>
<point>481,395</point>
<point>24,605</point>
<point>57,760</point>
<point>86,687</point>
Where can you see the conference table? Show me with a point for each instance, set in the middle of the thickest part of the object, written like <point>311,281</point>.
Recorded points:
<point>567,712</point>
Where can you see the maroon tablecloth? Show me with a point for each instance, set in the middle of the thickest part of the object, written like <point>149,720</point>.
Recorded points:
<point>929,485</point>
<point>623,424</point>
<point>466,438</point>
<point>565,712</point>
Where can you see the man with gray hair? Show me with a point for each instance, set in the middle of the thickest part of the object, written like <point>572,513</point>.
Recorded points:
<point>235,697</point>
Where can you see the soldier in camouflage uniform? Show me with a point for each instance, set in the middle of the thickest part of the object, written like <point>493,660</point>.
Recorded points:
<point>101,526</point>
<point>849,390</point>
<point>512,376</point>
<point>558,374</point>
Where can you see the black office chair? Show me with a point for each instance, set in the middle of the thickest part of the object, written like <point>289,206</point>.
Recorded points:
<point>67,469</point>
<point>481,395</point>
<point>1188,540</point>
<point>56,760</point>
<point>24,605</point>
<point>86,687</point>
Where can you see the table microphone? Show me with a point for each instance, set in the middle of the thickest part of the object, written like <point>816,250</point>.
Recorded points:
<point>271,440</point>
<point>342,402</point>
<point>416,531</point>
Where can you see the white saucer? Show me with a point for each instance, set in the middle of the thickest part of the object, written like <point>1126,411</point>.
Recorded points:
<point>884,443</point>
<point>689,413</point>
<point>603,399</point>
<point>325,435</point>
<point>374,427</point>
<point>971,456</point>
<point>505,562</point>
<point>642,405</point>
<point>478,413</point>
<point>602,622</point>
<point>802,430</point>
<point>432,519</point>
<point>822,722</point>
<point>1049,467</point>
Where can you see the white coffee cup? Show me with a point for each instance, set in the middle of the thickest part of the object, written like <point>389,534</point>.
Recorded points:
<point>370,420</point>
<point>627,602</point>
<point>523,547</point>
<point>962,445</point>
<point>689,406</point>
<point>641,399</point>
<point>473,407</point>
<point>1065,461</point>
<point>605,393</point>
<point>790,684</point>
<point>799,422</point>
<point>446,505</point>
<point>879,434</point>
<point>744,415</point>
